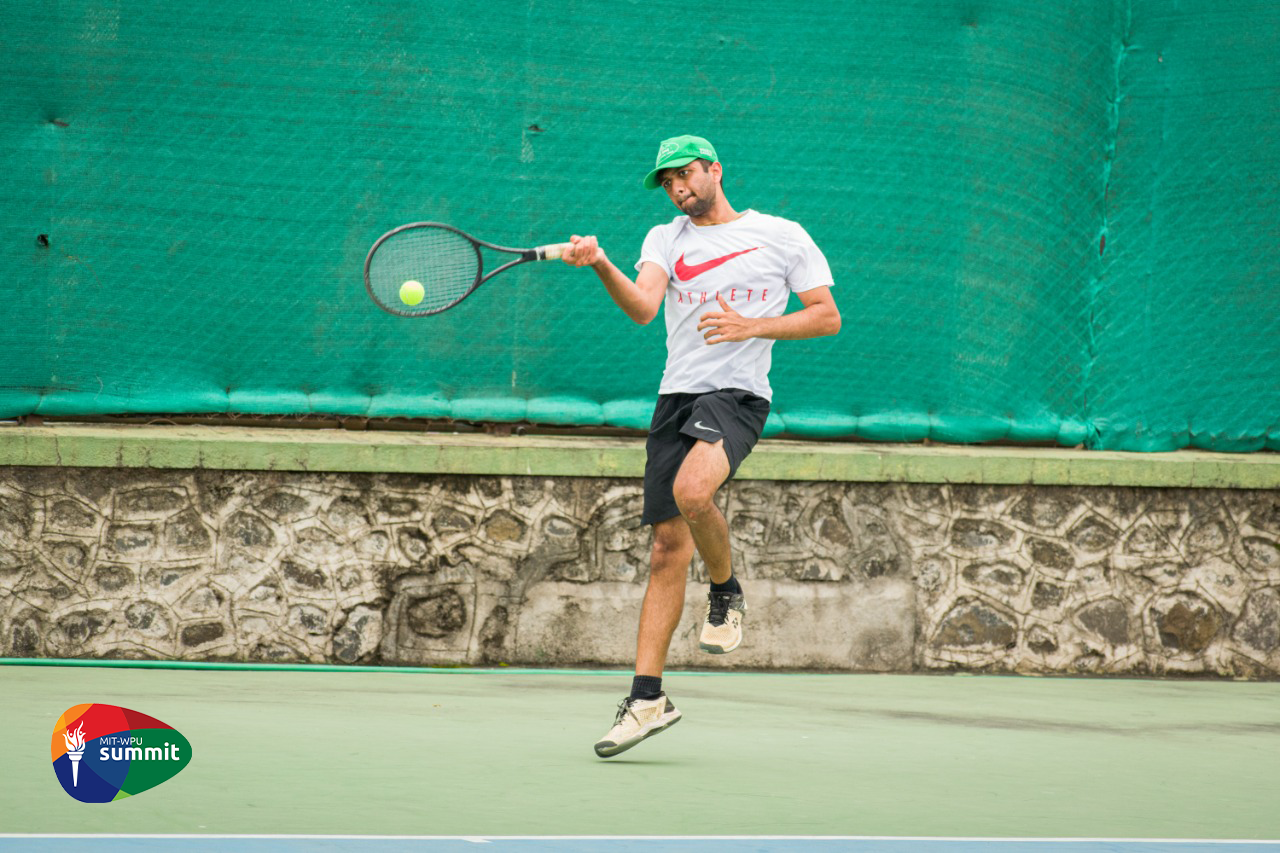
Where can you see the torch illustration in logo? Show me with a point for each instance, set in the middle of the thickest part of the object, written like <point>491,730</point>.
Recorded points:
<point>75,751</point>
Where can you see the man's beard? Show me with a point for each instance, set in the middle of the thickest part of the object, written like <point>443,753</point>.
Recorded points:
<point>699,207</point>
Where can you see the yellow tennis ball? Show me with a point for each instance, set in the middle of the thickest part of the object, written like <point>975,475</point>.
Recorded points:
<point>411,293</point>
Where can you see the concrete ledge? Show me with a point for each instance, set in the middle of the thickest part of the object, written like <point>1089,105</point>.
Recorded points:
<point>247,448</point>
<point>258,449</point>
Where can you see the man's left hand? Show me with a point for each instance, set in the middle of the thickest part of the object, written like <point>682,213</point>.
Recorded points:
<point>725,325</point>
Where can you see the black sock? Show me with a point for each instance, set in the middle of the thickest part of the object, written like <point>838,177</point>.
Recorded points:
<point>731,585</point>
<point>646,687</point>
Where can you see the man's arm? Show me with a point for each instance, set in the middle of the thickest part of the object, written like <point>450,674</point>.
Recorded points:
<point>818,317</point>
<point>640,299</point>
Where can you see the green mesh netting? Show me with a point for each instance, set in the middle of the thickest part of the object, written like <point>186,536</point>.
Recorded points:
<point>1047,222</point>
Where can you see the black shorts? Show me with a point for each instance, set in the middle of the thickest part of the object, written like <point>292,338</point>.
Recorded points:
<point>679,420</point>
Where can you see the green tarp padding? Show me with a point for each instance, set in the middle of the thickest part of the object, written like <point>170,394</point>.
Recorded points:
<point>1047,222</point>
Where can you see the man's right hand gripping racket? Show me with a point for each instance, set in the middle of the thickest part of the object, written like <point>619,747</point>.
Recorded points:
<point>427,267</point>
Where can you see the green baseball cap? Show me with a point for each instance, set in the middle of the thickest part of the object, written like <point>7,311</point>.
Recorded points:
<point>679,151</point>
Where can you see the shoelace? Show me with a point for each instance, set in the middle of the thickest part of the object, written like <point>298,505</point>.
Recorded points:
<point>718,613</point>
<point>623,708</point>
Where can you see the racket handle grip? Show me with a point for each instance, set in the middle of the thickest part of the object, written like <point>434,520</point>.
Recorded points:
<point>552,251</point>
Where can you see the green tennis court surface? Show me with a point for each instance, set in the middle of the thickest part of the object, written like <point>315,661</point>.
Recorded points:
<point>933,762</point>
<point>614,844</point>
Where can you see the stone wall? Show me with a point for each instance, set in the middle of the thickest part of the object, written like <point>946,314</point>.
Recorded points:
<point>440,570</point>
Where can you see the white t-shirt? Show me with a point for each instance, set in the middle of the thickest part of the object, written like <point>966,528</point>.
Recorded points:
<point>754,262</point>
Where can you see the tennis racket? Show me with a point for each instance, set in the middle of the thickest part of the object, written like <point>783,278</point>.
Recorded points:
<point>427,267</point>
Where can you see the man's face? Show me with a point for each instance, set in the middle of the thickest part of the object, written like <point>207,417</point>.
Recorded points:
<point>693,188</point>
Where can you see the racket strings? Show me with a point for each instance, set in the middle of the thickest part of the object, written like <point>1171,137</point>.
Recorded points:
<point>445,263</point>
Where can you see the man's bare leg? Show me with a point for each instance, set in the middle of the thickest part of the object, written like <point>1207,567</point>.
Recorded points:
<point>703,471</point>
<point>648,711</point>
<point>664,598</point>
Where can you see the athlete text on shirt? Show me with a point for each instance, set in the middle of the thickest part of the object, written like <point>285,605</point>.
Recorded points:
<point>703,296</point>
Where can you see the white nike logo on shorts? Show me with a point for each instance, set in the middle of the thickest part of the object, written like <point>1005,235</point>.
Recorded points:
<point>701,425</point>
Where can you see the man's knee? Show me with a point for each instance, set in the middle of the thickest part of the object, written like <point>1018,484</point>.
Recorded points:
<point>704,469</point>
<point>694,500</point>
<point>671,543</point>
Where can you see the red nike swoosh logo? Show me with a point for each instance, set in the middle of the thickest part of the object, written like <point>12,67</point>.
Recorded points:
<point>685,272</point>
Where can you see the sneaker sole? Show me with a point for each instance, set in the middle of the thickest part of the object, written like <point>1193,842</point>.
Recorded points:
<point>614,749</point>
<point>719,650</point>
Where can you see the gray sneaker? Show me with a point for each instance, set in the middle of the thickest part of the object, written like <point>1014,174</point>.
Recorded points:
<point>722,630</point>
<point>637,719</point>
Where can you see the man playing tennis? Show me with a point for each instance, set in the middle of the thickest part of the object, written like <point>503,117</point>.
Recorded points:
<point>723,279</point>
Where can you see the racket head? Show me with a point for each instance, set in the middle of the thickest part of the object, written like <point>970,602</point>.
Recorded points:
<point>444,260</point>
